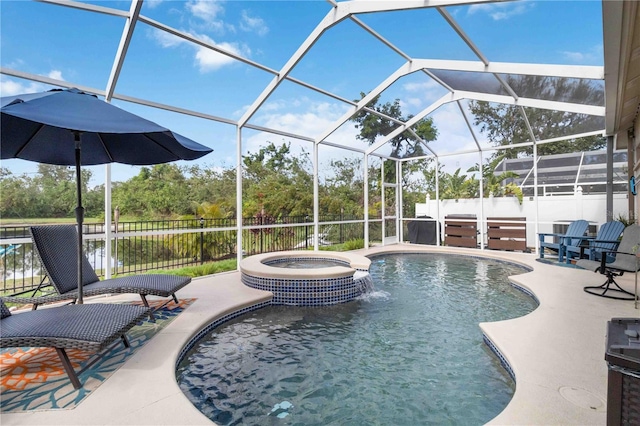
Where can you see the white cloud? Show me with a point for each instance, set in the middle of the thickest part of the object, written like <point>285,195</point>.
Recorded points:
<point>420,94</point>
<point>210,60</point>
<point>251,24</point>
<point>9,87</point>
<point>574,56</point>
<point>594,55</point>
<point>301,117</point>
<point>166,39</point>
<point>208,12</point>
<point>205,59</point>
<point>501,11</point>
<point>152,4</point>
<point>55,74</point>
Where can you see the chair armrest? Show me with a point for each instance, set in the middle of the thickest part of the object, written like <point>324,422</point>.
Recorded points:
<point>619,252</point>
<point>540,234</point>
<point>606,241</point>
<point>595,242</point>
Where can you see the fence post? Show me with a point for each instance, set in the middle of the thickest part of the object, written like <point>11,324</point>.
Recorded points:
<point>201,241</point>
<point>306,232</point>
<point>262,232</point>
<point>341,224</point>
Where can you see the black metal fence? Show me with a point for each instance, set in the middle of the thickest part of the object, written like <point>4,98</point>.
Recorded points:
<point>168,244</point>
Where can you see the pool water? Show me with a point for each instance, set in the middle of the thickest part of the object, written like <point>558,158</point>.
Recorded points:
<point>305,263</point>
<point>410,353</point>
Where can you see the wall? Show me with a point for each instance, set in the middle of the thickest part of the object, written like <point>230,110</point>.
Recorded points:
<point>551,209</point>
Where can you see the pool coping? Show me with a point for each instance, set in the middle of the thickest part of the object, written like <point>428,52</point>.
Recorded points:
<point>556,352</point>
<point>256,265</point>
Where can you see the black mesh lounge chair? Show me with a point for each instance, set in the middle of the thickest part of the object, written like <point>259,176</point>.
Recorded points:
<point>625,261</point>
<point>56,245</point>
<point>91,327</point>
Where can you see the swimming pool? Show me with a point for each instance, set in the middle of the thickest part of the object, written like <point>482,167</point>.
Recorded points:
<point>409,353</point>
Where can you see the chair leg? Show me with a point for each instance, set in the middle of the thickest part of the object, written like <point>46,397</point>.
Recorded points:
<point>146,304</point>
<point>69,368</point>
<point>125,341</point>
<point>595,290</point>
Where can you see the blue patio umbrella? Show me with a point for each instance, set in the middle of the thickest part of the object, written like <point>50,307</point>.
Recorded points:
<point>73,128</point>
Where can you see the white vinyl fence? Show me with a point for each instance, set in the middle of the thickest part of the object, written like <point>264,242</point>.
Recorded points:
<point>551,210</point>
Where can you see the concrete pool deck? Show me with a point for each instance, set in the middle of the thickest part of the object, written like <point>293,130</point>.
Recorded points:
<point>556,352</point>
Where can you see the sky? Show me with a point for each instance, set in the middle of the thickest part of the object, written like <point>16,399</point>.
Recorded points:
<point>79,47</point>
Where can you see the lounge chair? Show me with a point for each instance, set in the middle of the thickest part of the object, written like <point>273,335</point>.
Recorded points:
<point>607,241</point>
<point>90,327</point>
<point>625,261</point>
<point>56,245</point>
<point>572,237</point>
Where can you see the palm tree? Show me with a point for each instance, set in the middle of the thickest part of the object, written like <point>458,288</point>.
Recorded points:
<point>455,185</point>
<point>494,183</point>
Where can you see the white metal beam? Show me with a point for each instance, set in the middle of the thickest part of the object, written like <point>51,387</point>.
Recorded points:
<point>443,100</point>
<point>125,40</point>
<point>453,24</point>
<point>544,70</point>
<point>332,18</point>
<point>87,7</point>
<point>534,103</point>
<point>121,53</point>
<point>358,6</point>
<point>186,36</point>
<point>405,69</point>
<point>466,120</point>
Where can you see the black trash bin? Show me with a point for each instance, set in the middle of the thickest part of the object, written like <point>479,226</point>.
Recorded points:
<point>623,360</point>
<point>422,232</point>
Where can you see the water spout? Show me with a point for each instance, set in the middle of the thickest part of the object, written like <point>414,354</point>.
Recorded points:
<point>363,282</point>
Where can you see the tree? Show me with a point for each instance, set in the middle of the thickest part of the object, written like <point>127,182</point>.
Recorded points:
<point>504,125</point>
<point>214,185</point>
<point>278,182</point>
<point>212,243</point>
<point>51,192</point>
<point>373,126</point>
<point>156,192</point>
<point>455,186</point>
<point>342,192</point>
<point>493,184</point>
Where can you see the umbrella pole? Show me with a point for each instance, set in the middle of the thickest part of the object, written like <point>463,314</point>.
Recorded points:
<point>79,213</point>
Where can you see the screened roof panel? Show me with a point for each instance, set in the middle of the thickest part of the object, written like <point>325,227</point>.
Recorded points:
<point>535,31</point>
<point>187,75</point>
<point>88,45</point>
<point>345,60</point>
<point>268,38</point>
<point>571,90</point>
<point>567,169</point>
<point>361,70</point>
<point>299,110</point>
<point>419,34</point>
<point>549,124</point>
<point>471,81</point>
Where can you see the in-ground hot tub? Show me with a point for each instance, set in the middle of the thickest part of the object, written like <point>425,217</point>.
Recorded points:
<point>308,278</point>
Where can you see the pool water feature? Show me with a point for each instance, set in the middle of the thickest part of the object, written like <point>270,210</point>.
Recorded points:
<point>410,352</point>
<point>307,278</point>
